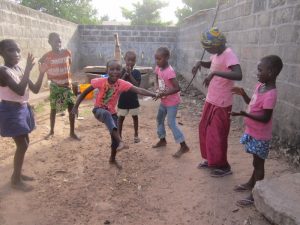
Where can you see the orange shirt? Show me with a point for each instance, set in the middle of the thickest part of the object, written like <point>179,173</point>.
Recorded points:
<point>59,66</point>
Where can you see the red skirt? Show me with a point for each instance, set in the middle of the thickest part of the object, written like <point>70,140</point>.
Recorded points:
<point>214,128</point>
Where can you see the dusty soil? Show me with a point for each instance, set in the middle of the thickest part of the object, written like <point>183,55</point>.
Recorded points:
<point>75,184</point>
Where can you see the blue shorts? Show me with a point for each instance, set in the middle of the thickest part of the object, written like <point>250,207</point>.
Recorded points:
<point>16,119</point>
<point>254,146</point>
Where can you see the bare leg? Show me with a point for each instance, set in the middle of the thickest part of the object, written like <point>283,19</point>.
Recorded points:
<point>72,123</point>
<point>136,128</point>
<point>120,124</point>
<point>136,125</point>
<point>22,143</point>
<point>52,123</point>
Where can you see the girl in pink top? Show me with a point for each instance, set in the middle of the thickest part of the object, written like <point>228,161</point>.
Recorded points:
<point>214,125</point>
<point>258,120</point>
<point>168,88</point>
<point>109,90</point>
<point>16,116</point>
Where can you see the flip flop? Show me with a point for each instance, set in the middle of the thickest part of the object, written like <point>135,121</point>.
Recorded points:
<point>203,165</point>
<point>245,202</point>
<point>220,173</point>
<point>241,188</point>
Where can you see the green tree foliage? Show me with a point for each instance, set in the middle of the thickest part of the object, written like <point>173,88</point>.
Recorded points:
<point>192,6</point>
<point>77,11</point>
<point>145,13</point>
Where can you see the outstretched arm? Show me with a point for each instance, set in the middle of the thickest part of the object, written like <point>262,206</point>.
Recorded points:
<point>142,91</point>
<point>80,98</point>
<point>265,118</point>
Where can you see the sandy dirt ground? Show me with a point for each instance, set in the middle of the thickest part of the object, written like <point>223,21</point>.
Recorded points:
<point>76,185</point>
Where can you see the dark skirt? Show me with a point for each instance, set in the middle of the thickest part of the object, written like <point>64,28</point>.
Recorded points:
<point>15,119</point>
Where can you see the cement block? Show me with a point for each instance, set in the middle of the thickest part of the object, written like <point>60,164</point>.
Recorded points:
<point>281,16</point>
<point>297,13</point>
<point>288,33</point>
<point>276,3</point>
<point>267,36</point>
<point>259,5</point>
<point>278,199</point>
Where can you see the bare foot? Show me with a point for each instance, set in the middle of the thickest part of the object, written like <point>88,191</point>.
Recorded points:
<point>27,178</point>
<point>21,186</point>
<point>160,143</point>
<point>122,146</point>
<point>49,136</point>
<point>181,151</point>
<point>115,163</point>
<point>75,137</point>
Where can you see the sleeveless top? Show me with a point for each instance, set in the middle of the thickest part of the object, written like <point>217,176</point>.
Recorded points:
<point>9,95</point>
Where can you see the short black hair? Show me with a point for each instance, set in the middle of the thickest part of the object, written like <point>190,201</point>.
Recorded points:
<point>53,34</point>
<point>274,63</point>
<point>164,50</point>
<point>4,42</point>
<point>130,52</point>
<point>112,61</point>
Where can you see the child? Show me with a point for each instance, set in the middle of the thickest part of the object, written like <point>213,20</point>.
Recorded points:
<point>61,95</point>
<point>16,116</point>
<point>109,90</point>
<point>170,99</point>
<point>129,102</point>
<point>258,120</point>
<point>215,121</point>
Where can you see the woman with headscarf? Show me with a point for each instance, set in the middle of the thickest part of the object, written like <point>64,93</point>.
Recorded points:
<point>214,125</point>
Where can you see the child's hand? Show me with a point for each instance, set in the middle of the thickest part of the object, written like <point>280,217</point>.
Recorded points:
<point>238,91</point>
<point>43,67</point>
<point>30,62</point>
<point>196,68</point>
<point>207,80</point>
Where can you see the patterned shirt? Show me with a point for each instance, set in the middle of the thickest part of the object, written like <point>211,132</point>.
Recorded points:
<point>59,66</point>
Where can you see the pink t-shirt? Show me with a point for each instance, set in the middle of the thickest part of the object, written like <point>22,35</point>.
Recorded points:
<point>108,94</point>
<point>259,102</point>
<point>164,83</point>
<point>219,89</point>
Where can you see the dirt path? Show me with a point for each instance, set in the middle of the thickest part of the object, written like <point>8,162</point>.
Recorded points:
<point>75,184</point>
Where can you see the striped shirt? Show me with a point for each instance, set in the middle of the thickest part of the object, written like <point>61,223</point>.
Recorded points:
<point>59,66</point>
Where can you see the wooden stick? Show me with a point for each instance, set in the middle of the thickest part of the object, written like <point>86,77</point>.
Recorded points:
<point>117,53</point>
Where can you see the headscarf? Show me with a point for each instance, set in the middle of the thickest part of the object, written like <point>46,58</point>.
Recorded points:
<point>212,38</point>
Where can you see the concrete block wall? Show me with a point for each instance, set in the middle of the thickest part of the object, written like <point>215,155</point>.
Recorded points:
<point>97,42</point>
<point>30,29</point>
<point>254,28</point>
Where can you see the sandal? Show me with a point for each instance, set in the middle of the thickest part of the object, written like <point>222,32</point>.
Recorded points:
<point>246,202</point>
<point>203,165</point>
<point>241,188</point>
<point>221,172</point>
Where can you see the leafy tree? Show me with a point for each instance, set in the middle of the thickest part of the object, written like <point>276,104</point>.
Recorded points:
<point>145,13</point>
<point>77,11</point>
<point>192,6</point>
